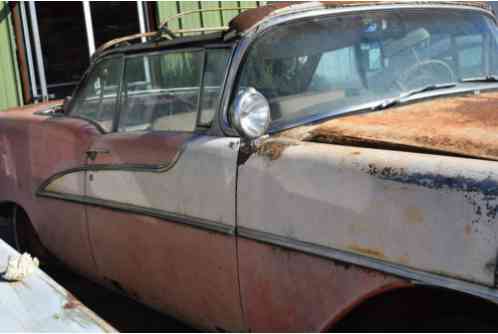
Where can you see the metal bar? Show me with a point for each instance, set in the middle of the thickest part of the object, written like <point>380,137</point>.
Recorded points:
<point>29,53</point>
<point>21,55</point>
<point>141,19</point>
<point>89,27</point>
<point>186,31</point>
<point>143,30</point>
<point>38,51</point>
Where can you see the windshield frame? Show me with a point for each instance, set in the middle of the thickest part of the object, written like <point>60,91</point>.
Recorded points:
<point>270,23</point>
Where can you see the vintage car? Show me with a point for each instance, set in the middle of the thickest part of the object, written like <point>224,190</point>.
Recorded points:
<point>312,167</point>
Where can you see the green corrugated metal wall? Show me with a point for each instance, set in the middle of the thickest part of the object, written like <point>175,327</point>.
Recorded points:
<point>209,19</point>
<point>10,89</point>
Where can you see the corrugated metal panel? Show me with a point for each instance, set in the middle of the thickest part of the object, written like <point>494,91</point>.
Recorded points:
<point>167,9</point>
<point>10,90</point>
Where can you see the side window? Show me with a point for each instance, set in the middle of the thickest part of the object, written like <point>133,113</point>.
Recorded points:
<point>161,91</point>
<point>214,73</point>
<point>96,101</point>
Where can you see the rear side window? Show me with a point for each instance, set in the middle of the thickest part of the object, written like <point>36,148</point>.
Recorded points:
<point>97,99</point>
<point>161,92</point>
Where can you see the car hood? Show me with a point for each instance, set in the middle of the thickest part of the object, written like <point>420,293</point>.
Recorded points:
<point>458,125</point>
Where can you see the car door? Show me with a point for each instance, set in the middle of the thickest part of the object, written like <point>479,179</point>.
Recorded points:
<point>59,147</point>
<point>162,192</point>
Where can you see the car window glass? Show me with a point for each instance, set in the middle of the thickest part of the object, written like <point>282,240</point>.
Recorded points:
<point>312,69</point>
<point>161,92</point>
<point>98,96</point>
<point>214,73</point>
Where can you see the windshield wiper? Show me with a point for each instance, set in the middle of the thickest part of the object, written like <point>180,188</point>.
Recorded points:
<point>485,78</point>
<point>399,99</point>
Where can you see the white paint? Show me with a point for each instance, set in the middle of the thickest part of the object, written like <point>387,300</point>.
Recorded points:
<point>37,305</point>
<point>324,195</point>
<point>38,52</point>
<point>89,27</point>
<point>201,184</point>
<point>72,184</point>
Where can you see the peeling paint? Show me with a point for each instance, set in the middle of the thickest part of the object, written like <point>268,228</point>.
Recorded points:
<point>273,149</point>
<point>487,186</point>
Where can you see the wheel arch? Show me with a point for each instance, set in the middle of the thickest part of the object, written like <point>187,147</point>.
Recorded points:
<point>396,306</point>
<point>26,235</point>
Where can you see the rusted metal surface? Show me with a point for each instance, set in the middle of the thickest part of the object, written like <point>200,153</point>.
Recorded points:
<point>249,18</point>
<point>188,273</point>
<point>32,148</point>
<point>464,125</point>
<point>39,304</point>
<point>284,289</point>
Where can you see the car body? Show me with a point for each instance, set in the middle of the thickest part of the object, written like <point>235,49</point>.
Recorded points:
<point>372,192</point>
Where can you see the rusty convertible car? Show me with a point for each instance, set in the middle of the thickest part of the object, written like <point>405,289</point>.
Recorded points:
<point>311,167</point>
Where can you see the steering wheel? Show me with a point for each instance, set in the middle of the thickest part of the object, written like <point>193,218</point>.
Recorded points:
<point>422,73</point>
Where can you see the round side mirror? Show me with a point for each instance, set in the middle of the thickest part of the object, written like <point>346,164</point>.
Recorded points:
<point>250,113</point>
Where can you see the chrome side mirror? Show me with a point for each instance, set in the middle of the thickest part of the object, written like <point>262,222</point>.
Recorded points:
<point>250,113</point>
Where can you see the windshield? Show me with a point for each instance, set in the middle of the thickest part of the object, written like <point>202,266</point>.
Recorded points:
<point>331,64</point>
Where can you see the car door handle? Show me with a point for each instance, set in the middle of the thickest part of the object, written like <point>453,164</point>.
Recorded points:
<point>92,153</point>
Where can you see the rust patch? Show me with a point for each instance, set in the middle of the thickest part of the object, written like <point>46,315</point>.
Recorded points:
<point>461,125</point>
<point>367,251</point>
<point>404,260</point>
<point>71,302</point>
<point>273,149</point>
<point>414,216</point>
<point>468,230</point>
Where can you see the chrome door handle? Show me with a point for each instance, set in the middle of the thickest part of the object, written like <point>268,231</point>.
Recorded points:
<point>92,153</point>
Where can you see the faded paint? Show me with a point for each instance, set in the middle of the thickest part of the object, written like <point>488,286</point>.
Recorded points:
<point>39,304</point>
<point>384,204</point>
<point>286,290</point>
<point>201,183</point>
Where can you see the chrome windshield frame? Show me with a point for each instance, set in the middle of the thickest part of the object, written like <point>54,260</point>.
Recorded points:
<point>270,22</point>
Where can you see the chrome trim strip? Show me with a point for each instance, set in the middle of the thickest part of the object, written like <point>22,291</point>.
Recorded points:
<point>417,276</point>
<point>145,168</point>
<point>134,209</point>
<point>475,89</point>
